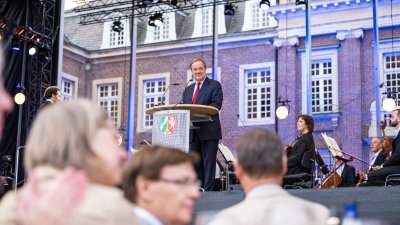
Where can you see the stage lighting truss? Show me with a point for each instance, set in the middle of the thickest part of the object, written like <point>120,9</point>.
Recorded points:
<point>21,34</point>
<point>99,11</point>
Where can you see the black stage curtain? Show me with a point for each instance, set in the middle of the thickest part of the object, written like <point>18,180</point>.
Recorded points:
<point>15,11</point>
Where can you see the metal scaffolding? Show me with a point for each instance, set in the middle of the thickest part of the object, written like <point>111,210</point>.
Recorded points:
<point>41,65</point>
<point>100,11</point>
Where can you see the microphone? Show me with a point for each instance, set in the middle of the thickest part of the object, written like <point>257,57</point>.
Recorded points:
<point>238,116</point>
<point>381,84</point>
<point>165,92</point>
<point>181,101</point>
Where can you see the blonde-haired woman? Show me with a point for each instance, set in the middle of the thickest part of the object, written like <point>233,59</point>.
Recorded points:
<point>77,134</point>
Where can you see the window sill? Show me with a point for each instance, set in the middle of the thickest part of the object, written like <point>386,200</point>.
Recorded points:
<point>324,117</point>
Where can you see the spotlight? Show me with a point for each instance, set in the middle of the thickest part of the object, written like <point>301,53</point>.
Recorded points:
<point>173,2</point>
<point>117,26</point>
<point>15,45</point>
<point>156,20</point>
<point>301,2</point>
<point>265,4</point>
<point>32,50</point>
<point>389,104</point>
<point>19,98</point>
<point>229,10</point>
<point>282,111</point>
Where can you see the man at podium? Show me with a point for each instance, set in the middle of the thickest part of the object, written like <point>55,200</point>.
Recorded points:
<point>204,140</point>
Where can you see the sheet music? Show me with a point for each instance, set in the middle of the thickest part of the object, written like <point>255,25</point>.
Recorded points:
<point>332,146</point>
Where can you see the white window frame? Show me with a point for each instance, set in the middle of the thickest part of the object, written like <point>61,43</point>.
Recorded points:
<point>107,33</point>
<point>243,121</point>
<point>74,87</point>
<point>248,16</point>
<point>95,98</point>
<point>171,29</point>
<point>386,48</point>
<point>322,55</point>
<point>198,22</point>
<point>140,128</point>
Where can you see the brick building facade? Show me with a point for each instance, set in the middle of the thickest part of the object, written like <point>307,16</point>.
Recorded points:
<point>253,61</point>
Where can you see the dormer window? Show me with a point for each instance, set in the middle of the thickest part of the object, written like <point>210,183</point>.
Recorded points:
<point>162,32</point>
<point>111,37</point>
<point>165,32</point>
<point>117,38</point>
<point>256,18</point>
<point>203,25</point>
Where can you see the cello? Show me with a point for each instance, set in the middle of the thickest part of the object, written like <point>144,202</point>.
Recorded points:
<point>387,144</point>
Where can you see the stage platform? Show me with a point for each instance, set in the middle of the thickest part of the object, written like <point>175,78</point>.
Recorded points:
<point>381,203</point>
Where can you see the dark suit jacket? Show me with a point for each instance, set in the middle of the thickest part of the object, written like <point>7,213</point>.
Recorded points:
<point>380,159</point>
<point>210,94</point>
<point>305,143</point>
<point>348,176</point>
<point>394,159</point>
<point>45,104</point>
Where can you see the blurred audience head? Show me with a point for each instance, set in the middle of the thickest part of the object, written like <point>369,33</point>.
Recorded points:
<point>162,181</point>
<point>77,134</point>
<point>260,155</point>
<point>6,102</point>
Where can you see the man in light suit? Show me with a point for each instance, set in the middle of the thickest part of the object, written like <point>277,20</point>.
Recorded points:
<point>260,166</point>
<point>204,141</point>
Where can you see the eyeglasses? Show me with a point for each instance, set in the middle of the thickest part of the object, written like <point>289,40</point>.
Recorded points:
<point>183,183</point>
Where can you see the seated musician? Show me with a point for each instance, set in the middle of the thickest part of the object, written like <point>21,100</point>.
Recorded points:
<point>377,177</point>
<point>346,172</point>
<point>378,158</point>
<point>305,125</point>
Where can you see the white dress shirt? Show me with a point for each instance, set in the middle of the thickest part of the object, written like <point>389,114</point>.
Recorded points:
<point>146,217</point>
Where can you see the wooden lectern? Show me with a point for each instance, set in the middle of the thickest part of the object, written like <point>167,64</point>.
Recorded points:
<point>172,123</point>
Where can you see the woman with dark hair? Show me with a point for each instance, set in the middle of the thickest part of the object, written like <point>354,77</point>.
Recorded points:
<point>305,142</point>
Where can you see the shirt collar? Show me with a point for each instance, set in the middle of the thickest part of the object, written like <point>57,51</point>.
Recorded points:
<point>146,216</point>
<point>377,153</point>
<point>49,100</point>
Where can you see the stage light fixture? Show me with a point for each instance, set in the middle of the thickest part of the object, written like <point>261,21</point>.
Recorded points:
<point>19,98</point>
<point>158,19</point>
<point>229,9</point>
<point>151,21</point>
<point>282,111</point>
<point>117,26</point>
<point>265,4</point>
<point>15,45</point>
<point>173,2</point>
<point>389,104</point>
<point>32,50</point>
<point>301,2</point>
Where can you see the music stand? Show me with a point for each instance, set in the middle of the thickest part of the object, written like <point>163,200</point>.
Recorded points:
<point>335,151</point>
